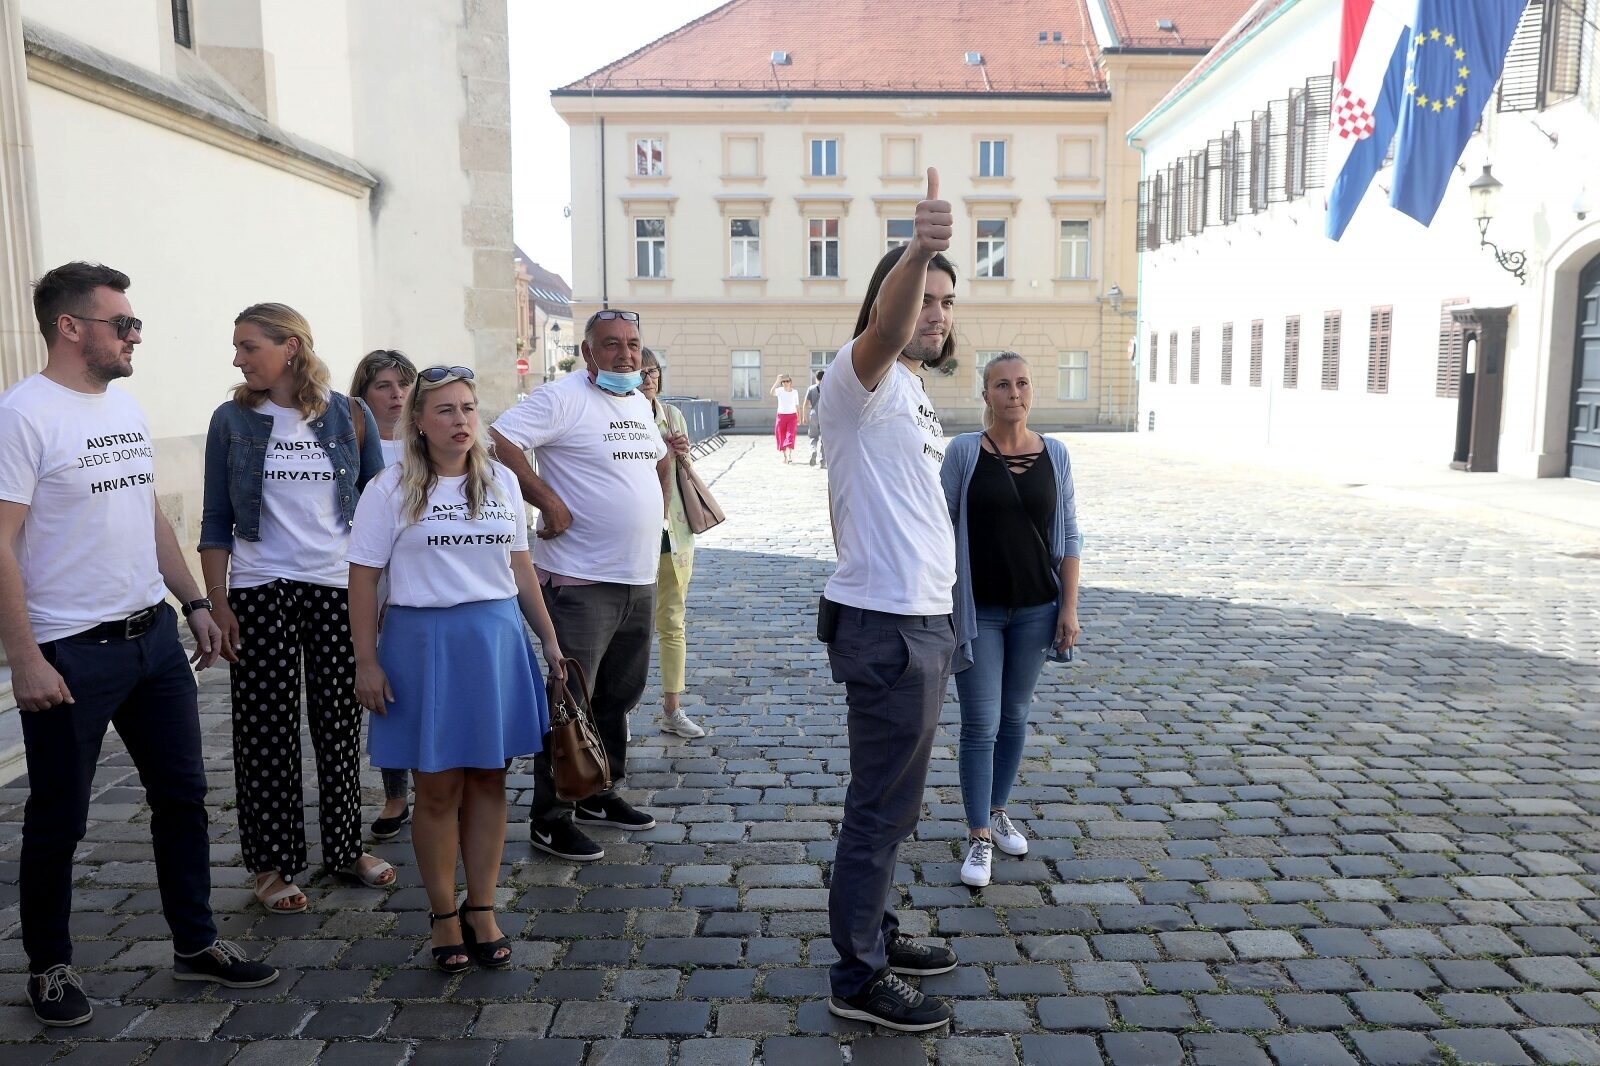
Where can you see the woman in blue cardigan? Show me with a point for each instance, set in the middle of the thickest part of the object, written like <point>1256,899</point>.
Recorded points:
<point>1010,495</point>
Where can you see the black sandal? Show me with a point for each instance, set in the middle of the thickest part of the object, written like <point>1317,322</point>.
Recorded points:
<point>441,956</point>
<point>484,953</point>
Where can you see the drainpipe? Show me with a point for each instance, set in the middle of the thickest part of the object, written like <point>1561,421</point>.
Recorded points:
<point>605,273</point>
<point>1138,305</point>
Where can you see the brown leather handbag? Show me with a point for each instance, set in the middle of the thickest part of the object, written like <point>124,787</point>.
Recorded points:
<point>577,758</point>
<point>699,506</point>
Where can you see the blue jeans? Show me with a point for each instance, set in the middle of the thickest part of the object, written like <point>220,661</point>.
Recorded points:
<point>996,692</point>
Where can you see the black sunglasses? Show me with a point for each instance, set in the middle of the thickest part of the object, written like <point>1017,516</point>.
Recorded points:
<point>435,374</point>
<point>607,316</point>
<point>125,324</point>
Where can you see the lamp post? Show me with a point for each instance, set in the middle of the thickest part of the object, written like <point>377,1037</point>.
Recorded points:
<point>1485,189</point>
<point>551,349</point>
<point>1113,297</point>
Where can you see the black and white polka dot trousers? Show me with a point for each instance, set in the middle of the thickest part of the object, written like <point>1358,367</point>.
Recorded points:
<point>283,626</point>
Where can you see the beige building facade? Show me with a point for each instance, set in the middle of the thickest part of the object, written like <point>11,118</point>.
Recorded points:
<point>743,223</point>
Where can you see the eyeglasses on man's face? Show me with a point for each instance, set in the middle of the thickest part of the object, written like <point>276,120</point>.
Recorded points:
<point>608,315</point>
<point>124,324</point>
<point>435,374</point>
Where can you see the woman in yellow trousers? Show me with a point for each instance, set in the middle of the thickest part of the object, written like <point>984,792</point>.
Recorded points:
<point>677,561</point>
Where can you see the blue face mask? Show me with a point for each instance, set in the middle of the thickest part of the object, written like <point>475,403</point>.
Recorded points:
<point>618,384</point>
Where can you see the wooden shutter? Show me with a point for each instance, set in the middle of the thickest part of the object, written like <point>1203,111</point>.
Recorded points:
<point>1319,101</point>
<point>1172,358</point>
<point>1520,79</point>
<point>1142,227</point>
<point>1331,325</point>
<point>1452,352</point>
<point>1291,352</point>
<point>1227,354</point>
<point>1153,354</point>
<point>1277,170</point>
<point>1378,340</point>
<point>1194,356</point>
<point>1255,353</point>
<point>1243,202</point>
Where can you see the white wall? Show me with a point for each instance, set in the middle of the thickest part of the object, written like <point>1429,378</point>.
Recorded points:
<point>309,41</point>
<point>139,31</point>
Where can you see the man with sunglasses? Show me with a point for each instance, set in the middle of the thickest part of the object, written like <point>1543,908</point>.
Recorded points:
<point>602,491</point>
<point>86,560</point>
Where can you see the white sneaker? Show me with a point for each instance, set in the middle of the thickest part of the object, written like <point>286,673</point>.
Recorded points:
<point>975,871</point>
<point>681,724</point>
<point>1006,836</point>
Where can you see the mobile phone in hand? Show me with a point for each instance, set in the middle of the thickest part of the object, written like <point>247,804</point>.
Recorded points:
<point>1056,655</point>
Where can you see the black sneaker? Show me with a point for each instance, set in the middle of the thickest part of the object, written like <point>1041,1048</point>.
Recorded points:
<point>223,964</point>
<point>613,811</point>
<point>893,1004</point>
<point>57,997</point>
<point>918,960</point>
<point>564,840</point>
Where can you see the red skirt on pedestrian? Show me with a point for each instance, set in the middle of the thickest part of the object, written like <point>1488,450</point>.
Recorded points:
<point>784,431</point>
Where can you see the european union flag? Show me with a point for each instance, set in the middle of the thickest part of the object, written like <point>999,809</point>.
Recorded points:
<point>1457,50</point>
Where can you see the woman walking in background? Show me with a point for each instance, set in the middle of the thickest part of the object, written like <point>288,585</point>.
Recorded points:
<point>285,461</point>
<point>677,560</point>
<point>788,416</point>
<point>1010,496</point>
<point>453,685</point>
<point>383,380</point>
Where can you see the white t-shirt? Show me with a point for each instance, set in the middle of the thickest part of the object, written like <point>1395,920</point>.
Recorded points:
<point>788,401</point>
<point>392,451</point>
<point>897,551</point>
<point>447,557</point>
<point>598,452</point>
<point>84,465</point>
<point>302,536</point>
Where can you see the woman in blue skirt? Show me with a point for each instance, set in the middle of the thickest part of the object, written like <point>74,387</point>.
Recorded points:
<point>454,685</point>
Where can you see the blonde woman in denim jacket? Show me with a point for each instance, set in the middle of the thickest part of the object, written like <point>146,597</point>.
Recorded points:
<point>1012,502</point>
<point>285,462</point>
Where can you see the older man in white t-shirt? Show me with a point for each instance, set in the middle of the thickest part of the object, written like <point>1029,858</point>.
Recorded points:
<point>601,490</point>
<point>891,600</point>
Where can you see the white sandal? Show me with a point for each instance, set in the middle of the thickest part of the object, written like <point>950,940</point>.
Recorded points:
<point>373,876</point>
<point>270,900</point>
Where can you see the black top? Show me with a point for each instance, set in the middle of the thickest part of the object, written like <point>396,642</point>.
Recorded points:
<point>1010,564</point>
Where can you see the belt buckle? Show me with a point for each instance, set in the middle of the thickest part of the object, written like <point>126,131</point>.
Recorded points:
<point>137,624</point>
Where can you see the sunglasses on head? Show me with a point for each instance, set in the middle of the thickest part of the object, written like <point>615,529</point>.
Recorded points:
<point>435,374</point>
<point>124,324</point>
<point>607,316</point>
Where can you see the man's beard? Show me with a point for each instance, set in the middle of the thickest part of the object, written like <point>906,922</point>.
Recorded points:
<point>105,364</point>
<point>922,353</point>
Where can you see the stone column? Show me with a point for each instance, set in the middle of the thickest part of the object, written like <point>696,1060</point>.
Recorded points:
<point>21,347</point>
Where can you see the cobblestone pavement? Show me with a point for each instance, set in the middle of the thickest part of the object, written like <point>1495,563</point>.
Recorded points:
<point>1323,788</point>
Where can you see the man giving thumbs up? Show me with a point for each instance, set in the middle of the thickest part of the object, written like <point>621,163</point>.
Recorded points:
<point>891,598</point>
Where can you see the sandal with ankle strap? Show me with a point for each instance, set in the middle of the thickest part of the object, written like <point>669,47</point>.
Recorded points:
<point>287,890</point>
<point>442,956</point>
<point>484,952</point>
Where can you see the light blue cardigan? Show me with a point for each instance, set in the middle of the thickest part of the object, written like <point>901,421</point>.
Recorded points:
<point>960,460</point>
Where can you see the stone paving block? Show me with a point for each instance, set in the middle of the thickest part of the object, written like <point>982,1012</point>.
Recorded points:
<point>193,1021</point>
<point>1309,1049</point>
<point>1391,1047</point>
<point>190,1053</point>
<point>1054,1051</point>
<point>1237,1012</point>
<point>989,1016</point>
<point>1156,1012</point>
<point>1558,1045</point>
<point>454,1053</point>
<point>801,1051</point>
<point>1313,1011</point>
<point>1479,1009</point>
<point>588,1018</point>
<point>1225,1049</point>
<point>1554,972</point>
<point>716,1051</point>
<point>629,1053</point>
<point>1491,1047</point>
<point>1265,944</point>
<point>1074,1012</point>
<point>1556,1008</point>
<point>1142,1049</point>
<point>671,1019</point>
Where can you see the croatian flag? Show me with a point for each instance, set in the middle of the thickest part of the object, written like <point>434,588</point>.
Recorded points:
<point>1369,83</point>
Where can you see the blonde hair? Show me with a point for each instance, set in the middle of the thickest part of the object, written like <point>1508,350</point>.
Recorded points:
<point>280,322</point>
<point>417,476</point>
<point>1003,357</point>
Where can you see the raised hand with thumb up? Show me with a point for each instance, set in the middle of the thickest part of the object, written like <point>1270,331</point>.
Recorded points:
<point>935,222</point>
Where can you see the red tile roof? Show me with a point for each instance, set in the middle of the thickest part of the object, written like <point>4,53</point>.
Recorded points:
<point>1259,12</point>
<point>1196,24</point>
<point>871,46</point>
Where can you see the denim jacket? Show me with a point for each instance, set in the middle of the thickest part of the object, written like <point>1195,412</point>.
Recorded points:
<point>236,459</point>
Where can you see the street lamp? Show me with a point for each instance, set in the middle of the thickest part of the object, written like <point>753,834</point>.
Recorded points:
<point>1114,298</point>
<point>1484,190</point>
<point>551,349</point>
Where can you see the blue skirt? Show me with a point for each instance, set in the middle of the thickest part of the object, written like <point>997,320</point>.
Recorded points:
<point>467,689</point>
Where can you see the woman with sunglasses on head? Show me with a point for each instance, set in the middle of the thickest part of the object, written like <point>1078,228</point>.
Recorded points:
<point>677,559</point>
<point>286,458</point>
<point>382,381</point>
<point>783,429</point>
<point>1011,499</point>
<point>453,684</point>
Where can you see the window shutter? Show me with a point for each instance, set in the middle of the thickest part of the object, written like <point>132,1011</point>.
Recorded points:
<point>1452,352</point>
<point>1319,100</point>
<point>1153,353</point>
<point>1255,353</point>
<point>1291,352</point>
<point>1227,354</point>
<point>1520,78</point>
<point>182,24</point>
<point>1260,159</point>
<point>1331,325</point>
<point>1194,356</point>
<point>1378,337</point>
<point>1142,226</point>
<point>1172,358</point>
<point>1277,170</point>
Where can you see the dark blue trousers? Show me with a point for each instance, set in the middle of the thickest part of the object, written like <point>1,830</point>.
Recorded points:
<point>145,688</point>
<point>895,669</point>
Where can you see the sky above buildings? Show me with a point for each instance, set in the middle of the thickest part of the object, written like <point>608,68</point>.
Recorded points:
<point>554,43</point>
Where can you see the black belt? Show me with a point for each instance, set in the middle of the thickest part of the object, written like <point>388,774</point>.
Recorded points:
<point>135,625</point>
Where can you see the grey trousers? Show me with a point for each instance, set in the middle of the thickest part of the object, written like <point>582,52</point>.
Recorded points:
<point>894,669</point>
<point>608,628</point>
